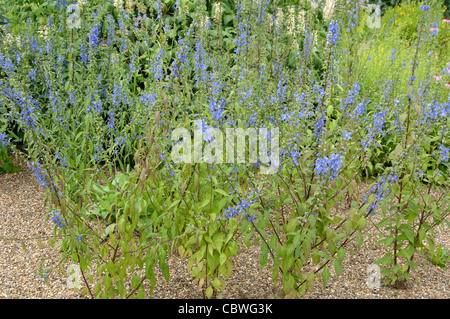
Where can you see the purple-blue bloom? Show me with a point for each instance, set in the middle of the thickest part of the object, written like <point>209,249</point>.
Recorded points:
<point>347,135</point>
<point>3,140</point>
<point>57,218</point>
<point>329,166</point>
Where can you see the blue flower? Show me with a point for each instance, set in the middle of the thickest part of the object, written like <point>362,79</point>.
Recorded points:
<point>329,166</point>
<point>3,140</point>
<point>240,208</point>
<point>57,218</point>
<point>94,33</point>
<point>216,108</point>
<point>445,152</point>
<point>352,94</point>
<point>333,34</point>
<point>44,275</point>
<point>424,7</point>
<point>62,159</point>
<point>394,51</point>
<point>347,135</point>
<point>206,131</point>
<point>157,69</point>
<point>39,174</point>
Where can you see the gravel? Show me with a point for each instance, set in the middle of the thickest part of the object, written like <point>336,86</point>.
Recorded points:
<point>25,250</point>
<point>26,254</point>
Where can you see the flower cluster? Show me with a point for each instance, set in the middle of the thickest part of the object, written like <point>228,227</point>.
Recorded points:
<point>4,140</point>
<point>41,177</point>
<point>425,7</point>
<point>240,208</point>
<point>380,191</point>
<point>57,218</point>
<point>329,166</point>
<point>333,33</point>
<point>444,152</point>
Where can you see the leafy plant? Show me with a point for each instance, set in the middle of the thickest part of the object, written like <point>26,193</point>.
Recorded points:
<point>438,257</point>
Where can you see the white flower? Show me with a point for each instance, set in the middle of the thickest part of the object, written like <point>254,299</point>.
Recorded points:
<point>301,21</point>
<point>218,13</point>
<point>129,6</point>
<point>118,4</point>
<point>114,57</point>
<point>269,19</point>
<point>204,22</point>
<point>9,39</point>
<point>279,17</point>
<point>328,11</point>
<point>43,31</point>
<point>291,21</point>
<point>81,3</point>
<point>315,39</point>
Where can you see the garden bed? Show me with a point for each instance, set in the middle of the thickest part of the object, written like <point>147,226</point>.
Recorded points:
<point>22,267</point>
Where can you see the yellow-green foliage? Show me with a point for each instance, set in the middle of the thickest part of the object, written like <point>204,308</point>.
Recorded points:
<point>405,17</point>
<point>391,49</point>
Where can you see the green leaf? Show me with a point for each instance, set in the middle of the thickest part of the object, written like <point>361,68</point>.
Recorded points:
<point>222,192</point>
<point>233,247</point>
<point>141,294</point>
<point>165,270</point>
<point>359,239</point>
<point>135,281</point>
<point>306,247</point>
<point>341,254</point>
<point>223,258</point>
<point>209,292</point>
<point>205,202</point>
<point>396,152</point>
<point>408,232</point>
<point>316,257</point>
<point>111,267</point>
<point>212,261</point>
<point>200,254</point>
<point>216,283</point>
<point>310,280</point>
<point>414,207</point>
<point>107,282</point>
<point>337,267</point>
<point>291,226</point>
<point>330,110</point>
<point>296,241</point>
<point>218,240</point>
<point>325,276</point>
<point>403,117</point>
<point>362,223</point>
<point>348,227</point>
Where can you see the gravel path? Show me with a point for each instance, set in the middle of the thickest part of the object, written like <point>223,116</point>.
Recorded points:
<point>26,254</point>
<point>25,250</point>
